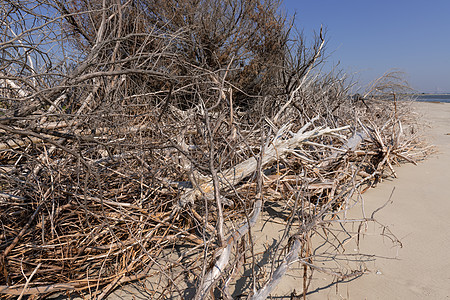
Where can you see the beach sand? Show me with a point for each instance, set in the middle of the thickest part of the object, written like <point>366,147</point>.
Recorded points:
<point>419,216</point>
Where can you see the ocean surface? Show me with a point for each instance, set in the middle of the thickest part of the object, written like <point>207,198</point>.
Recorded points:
<point>433,98</point>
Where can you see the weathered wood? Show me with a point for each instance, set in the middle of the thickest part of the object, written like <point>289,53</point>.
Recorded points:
<point>277,149</point>
<point>223,255</point>
<point>37,290</point>
<point>233,176</point>
<point>264,292</point>
<point>352,144</point>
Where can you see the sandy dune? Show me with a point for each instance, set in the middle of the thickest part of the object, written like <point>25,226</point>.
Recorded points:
<point>419,216</point>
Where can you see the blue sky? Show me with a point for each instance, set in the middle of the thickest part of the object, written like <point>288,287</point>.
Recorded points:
<point>368,38</point>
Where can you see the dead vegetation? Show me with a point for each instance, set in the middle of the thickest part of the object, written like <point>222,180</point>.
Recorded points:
<point>142,139</point>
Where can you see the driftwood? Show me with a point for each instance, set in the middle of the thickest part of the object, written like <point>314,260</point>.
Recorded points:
<point>292,255</point>
<point>147,148</point>
<point>223,255</point>
<point>276,151</point>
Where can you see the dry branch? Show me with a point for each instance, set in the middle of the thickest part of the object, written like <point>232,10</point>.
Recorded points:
<point>276,151</point>
<point>121,122</point>
<point>281,270</point>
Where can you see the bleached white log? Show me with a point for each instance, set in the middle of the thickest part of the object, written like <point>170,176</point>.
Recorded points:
<point>13,86</point>
<point>351,145</point>
<point>223,255</point>
<point>264,292</point>
<point>277,149</point>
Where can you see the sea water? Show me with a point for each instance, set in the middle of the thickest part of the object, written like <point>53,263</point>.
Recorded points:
<point>433,98</point>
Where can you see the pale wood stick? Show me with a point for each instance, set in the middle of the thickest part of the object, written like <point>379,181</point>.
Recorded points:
<point>278,148</point>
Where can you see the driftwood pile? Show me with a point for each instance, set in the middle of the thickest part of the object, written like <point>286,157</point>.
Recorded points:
<point>125,168</point>
<point>86,209</point>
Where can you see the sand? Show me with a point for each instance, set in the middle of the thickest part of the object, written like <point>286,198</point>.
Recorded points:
<point>419,216</point>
